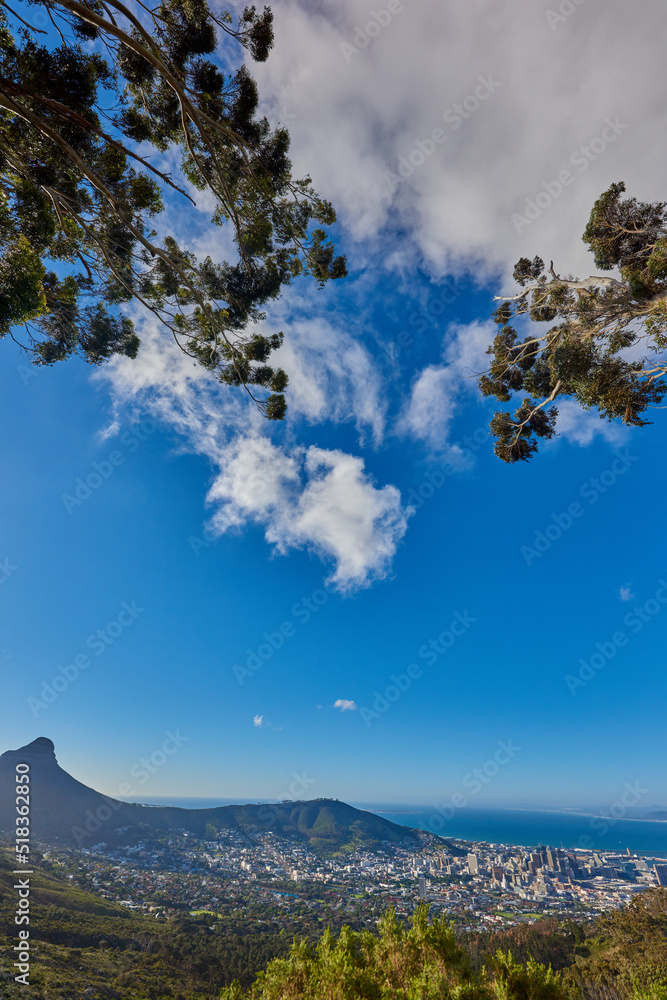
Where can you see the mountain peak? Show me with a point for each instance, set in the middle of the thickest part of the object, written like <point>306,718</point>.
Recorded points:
<point>42,748</point>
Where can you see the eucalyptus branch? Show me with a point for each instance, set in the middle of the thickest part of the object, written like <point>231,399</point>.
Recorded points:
<point>67,113</point>
<point>593,281</point>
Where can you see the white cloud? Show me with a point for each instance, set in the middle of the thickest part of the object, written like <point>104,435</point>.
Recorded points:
<point>437,390</point>
<point>332,376</point>
<point>312,498</point>
<point>550,91</point>
<point>431,406</point>
<point>259,723</point>
<point>344,705</point>
<point>315,499</point>
<point>583,426</point>
<point>110,431</point>
<point>625,593</point>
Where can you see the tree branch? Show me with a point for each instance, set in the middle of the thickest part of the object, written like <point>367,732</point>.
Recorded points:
<point>65,112</point>
<point>592,282</point>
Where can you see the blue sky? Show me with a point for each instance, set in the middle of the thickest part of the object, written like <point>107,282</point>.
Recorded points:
<point>317,512</point>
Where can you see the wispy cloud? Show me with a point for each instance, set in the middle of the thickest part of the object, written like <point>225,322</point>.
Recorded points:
<point>304,497</point>
<point>438,390</point>
<point>625,593</point>
<point>259,723</point>
<point>332,375</point>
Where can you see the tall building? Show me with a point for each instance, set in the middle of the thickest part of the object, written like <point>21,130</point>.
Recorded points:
<point>661,872</point>
<point>473,866</point>
<point>552,858</point>
<point>422,888</point>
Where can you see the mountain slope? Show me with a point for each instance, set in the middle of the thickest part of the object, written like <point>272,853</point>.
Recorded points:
<point>62,807</point>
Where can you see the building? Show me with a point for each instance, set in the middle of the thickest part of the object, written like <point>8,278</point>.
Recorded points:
<point>552,858</point>
<point>473,866</point>
<point>661,873</point>
<point>422,888</point>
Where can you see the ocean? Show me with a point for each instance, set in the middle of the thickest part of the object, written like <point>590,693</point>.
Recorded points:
<point>515,827</point>
<point>527,828</point>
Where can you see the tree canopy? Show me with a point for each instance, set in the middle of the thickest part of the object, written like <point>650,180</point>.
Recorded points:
<point>607,346</point>
<point>84,108</point>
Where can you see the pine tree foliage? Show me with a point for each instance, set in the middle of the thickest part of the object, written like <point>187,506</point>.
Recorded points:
<point>606,347</point>
<point>84,108</point>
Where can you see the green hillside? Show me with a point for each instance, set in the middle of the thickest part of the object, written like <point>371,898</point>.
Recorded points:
<point>330,826</point>
<point>49,891</point>
<point>84,946</point>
